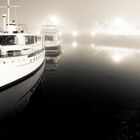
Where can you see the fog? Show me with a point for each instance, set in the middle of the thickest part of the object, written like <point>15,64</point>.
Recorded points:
<point>73,14</point>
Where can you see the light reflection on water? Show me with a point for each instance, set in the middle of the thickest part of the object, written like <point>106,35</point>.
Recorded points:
<point>109,79</point>
<point>99,81</point>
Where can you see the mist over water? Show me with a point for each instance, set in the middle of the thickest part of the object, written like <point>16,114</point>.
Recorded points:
<point>90,85</point>
<point>101,82</point>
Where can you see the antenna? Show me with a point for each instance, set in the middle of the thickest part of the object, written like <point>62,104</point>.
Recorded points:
<point>8,11</point>
<point>4,17</point>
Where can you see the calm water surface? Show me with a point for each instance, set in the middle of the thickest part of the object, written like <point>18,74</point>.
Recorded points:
<point>87,87</point>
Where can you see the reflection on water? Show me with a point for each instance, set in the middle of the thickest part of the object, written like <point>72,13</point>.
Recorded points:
<point>105,82</point>
<point>117,54</point>
<point>15,99</point>
<point>99,85</point>
<point>125,119</point>
<point>52,64</point>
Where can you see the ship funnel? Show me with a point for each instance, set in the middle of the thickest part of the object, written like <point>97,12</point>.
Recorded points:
<point>4,22</point>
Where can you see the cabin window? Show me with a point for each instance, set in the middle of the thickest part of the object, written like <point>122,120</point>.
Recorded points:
<point>32,39</point>
<point>8,40</point>
<point>13,53</point>
<point>38,39</point>
<point>35,39</point>
<point>27,40</point>
<point>49,38</point>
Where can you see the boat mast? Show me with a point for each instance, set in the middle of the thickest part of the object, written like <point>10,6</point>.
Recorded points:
<point>4,22</point>
<point>8,12</point>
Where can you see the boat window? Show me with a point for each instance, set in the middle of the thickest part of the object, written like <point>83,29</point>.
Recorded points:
<point>35,39</point>
<point>29,40</point>
<point>49,38</point>
<point>8,40</point>
<point>38,39</point>
<point>32,39</point>
<point>13,53</point>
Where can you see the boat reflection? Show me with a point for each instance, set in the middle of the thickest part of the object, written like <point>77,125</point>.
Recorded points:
<point>52,64</point>
<point>15,98</point>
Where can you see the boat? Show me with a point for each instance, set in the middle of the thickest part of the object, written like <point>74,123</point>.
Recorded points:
<point>12,103</point>
<point>21,54</point>
<point>52,41</point>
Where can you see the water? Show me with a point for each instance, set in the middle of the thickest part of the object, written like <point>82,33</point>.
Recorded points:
<point>87,88</point>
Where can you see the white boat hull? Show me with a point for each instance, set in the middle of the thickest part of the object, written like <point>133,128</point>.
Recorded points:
<point>15,68</point>
<point>14,99</point>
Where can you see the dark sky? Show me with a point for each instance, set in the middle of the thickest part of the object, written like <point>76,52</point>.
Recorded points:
<point>80,14</point>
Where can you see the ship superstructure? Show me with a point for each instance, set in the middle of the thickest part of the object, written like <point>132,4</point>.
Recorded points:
<point>52,40</point>
<point>21,54</point>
